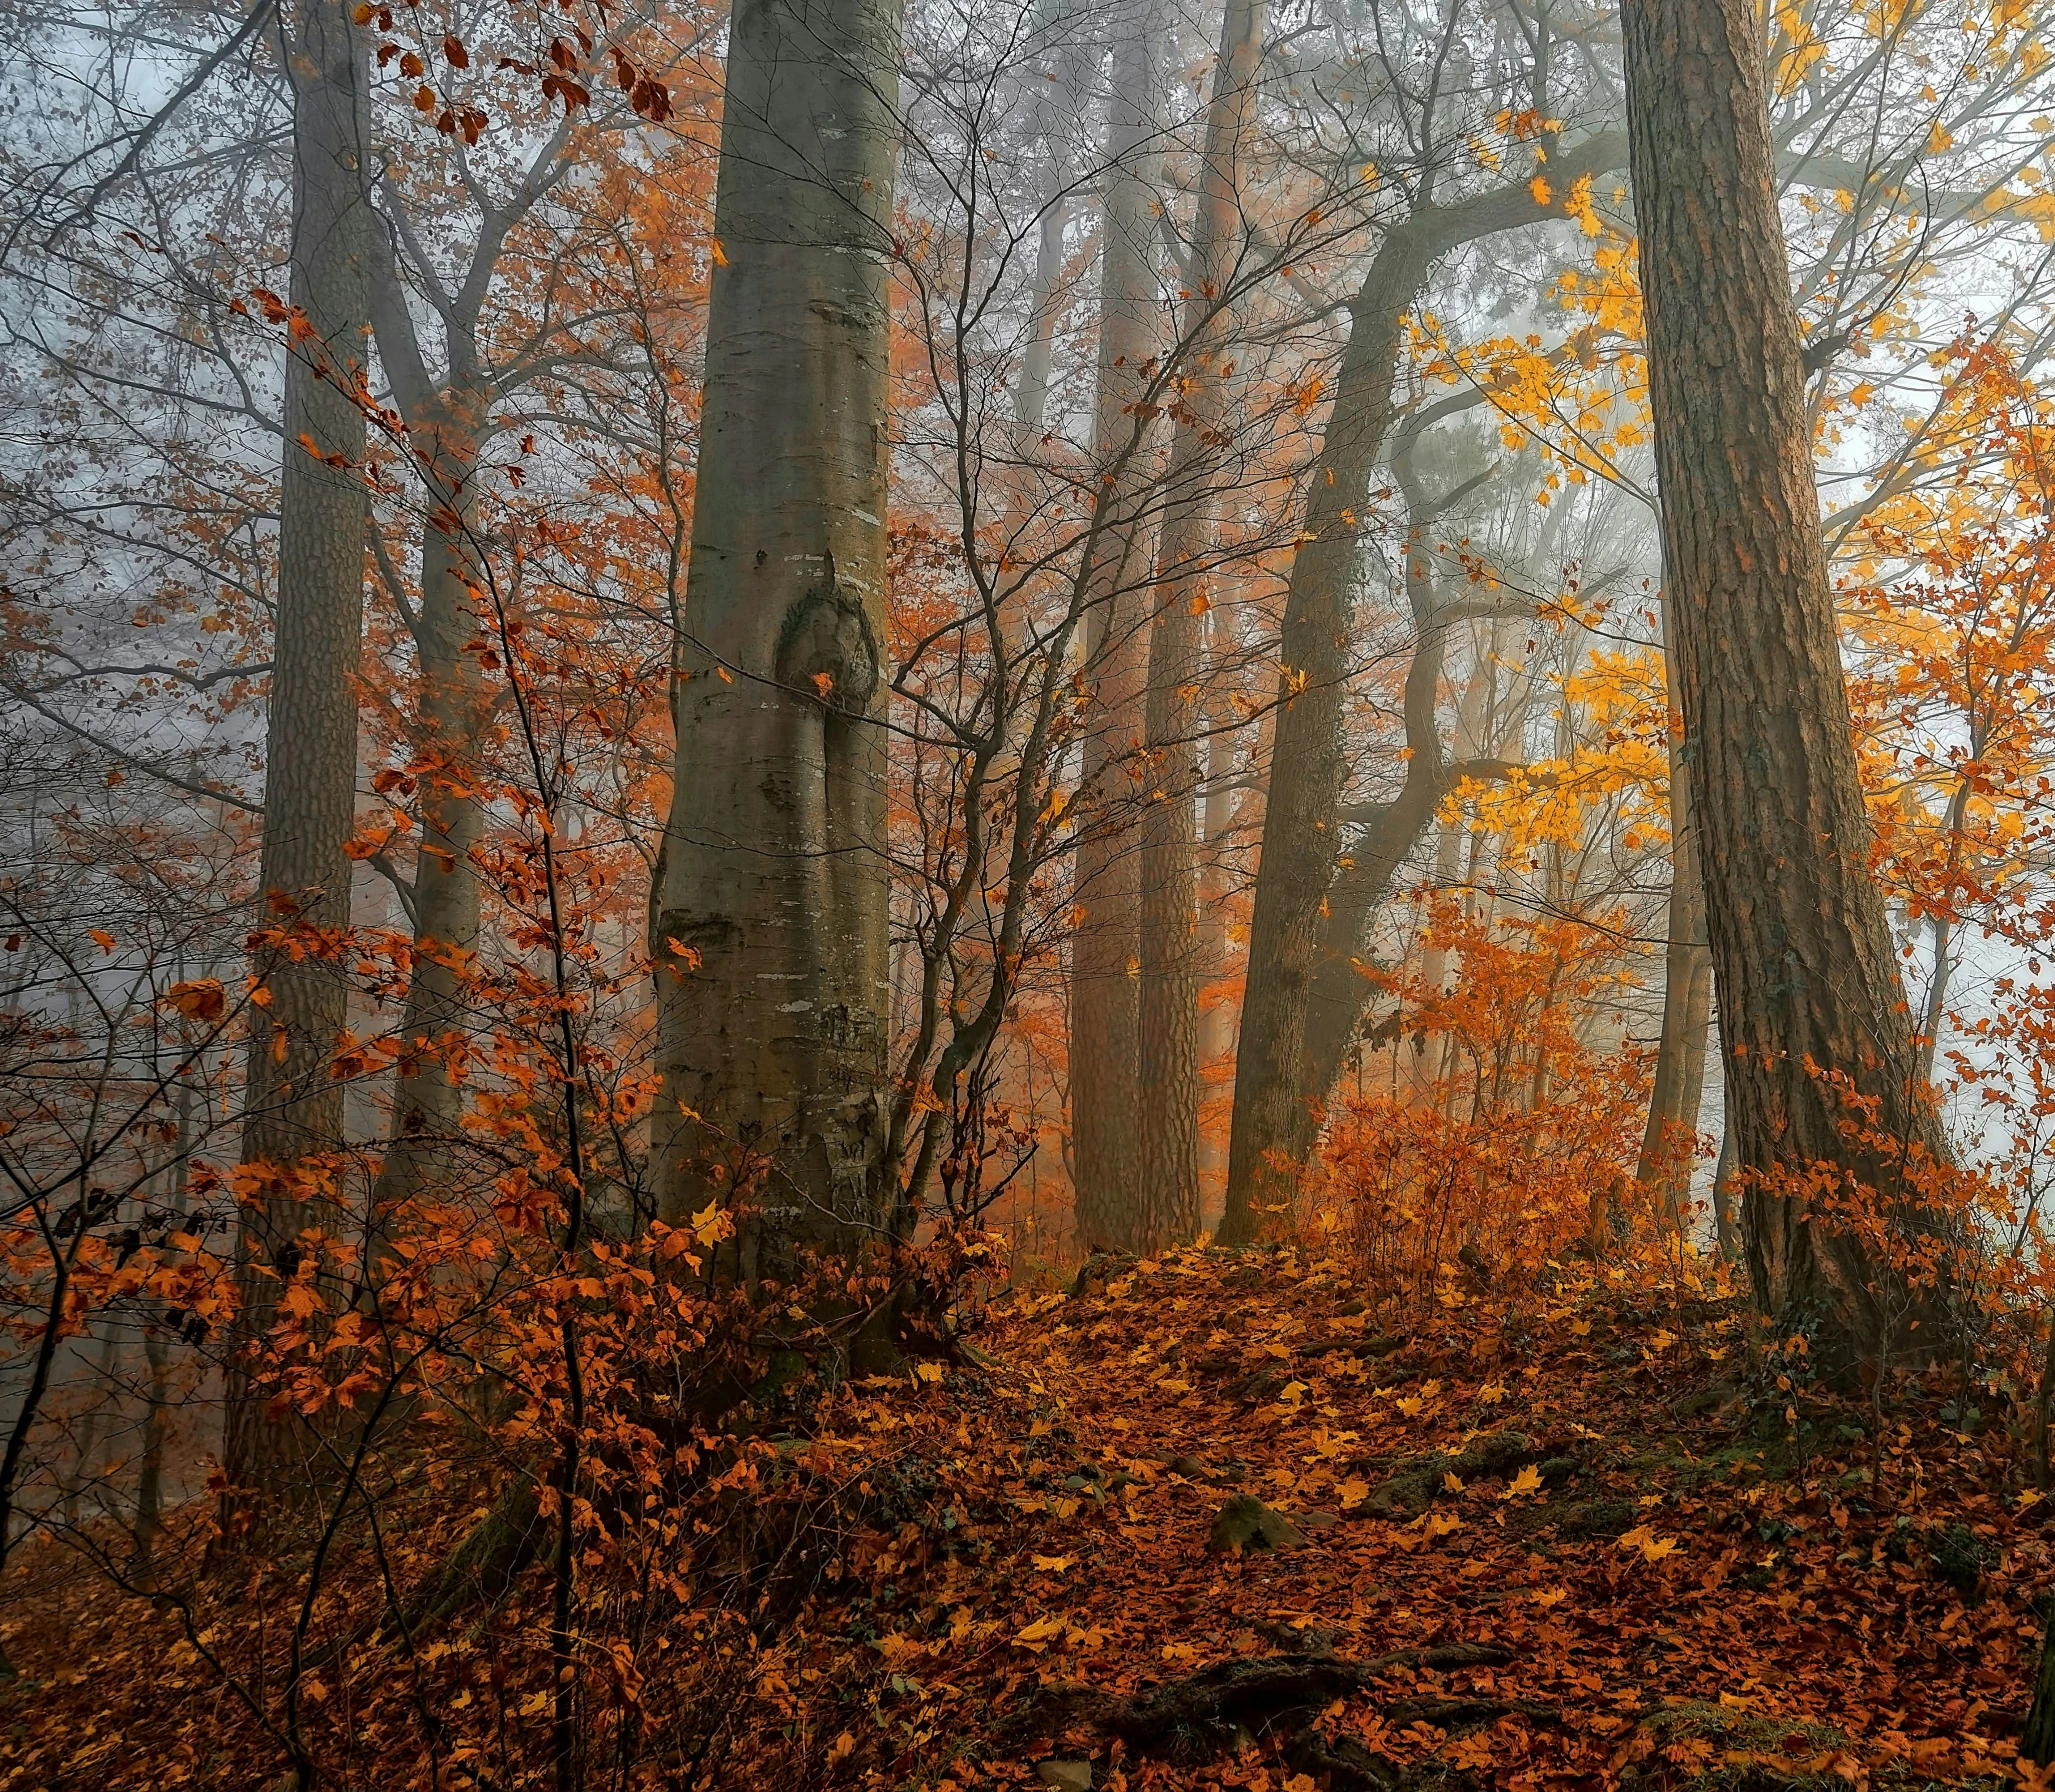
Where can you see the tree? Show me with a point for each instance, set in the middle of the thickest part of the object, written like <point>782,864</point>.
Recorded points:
<point>293,1108</point>
<point>1302,827</point>
<point>1802,954</point>
<point>1167,998</point>
<point>1105,949</point>
<point>770,932</point>
<point>1669,1142</point>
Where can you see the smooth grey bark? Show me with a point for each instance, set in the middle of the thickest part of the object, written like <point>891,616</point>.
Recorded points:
<point>293,1108</point>
<point>450,425</point>
<point>773,984</point>
<point>1105,946</point>
<point>447,427</point>
<point>1055,110</point>
<point>1167,1000</point>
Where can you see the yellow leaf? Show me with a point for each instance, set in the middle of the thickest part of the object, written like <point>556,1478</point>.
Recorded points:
<point>928,1372</point>
<point>1439,1524</point>
<point>842,1747</point>
<point>720,254</point>
<point>1352,1494</point>
<point>1652,1547</point>
<point>710,1225</point>
<point>1053,1564</point>
<point>1452,1482</point>
<point>1411,1405</point>
<point>1037,1636</point>
<point>1539,188</point>
<point>1553,1596</point>
<point>1528,1480</point>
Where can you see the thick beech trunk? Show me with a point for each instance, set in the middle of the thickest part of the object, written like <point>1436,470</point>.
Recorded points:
<point>1802,953</point>
<point>1105,949</point>
<point>1167,1189</point>
<point>293,1109</point>
<point>770,935</point>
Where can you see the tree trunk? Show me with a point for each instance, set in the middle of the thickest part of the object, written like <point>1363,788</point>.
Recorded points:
<point>1301,834</point>
<point>773,983</point>
<point>1942,925</point>
<point>293,1112</point>
<point>427,1099</point>
<point>1669,1143</point>
<point>1337,990</point>
<point>450,425</point>
<point>1168,999</point>
<point>1306,764</point>
<point>1057,107</point>
<point>448,429</point>
<point>1215,891</point>
<point>2037,1739</point>
<point>1726,1209</point>
<point>1802,953</point>
<point>1105,948</point>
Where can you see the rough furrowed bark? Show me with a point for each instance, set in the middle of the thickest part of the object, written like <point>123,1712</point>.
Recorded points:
<point>1802,952</point>
<point>1105,947</point>
<point>770,933</point>
<point>293,1109</point>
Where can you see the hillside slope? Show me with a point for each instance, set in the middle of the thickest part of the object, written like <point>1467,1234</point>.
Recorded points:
<point>1203,1524</point>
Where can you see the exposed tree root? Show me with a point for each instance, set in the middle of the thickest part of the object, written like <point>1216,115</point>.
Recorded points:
<point>1204,1713</point>
<point>493,1552</point>
<point>1347,1766</point>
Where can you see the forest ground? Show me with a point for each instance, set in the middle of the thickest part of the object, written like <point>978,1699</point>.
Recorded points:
<point>1579,1537</point>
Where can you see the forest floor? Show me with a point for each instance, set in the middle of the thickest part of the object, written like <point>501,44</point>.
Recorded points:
<point>1571,1539</point>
